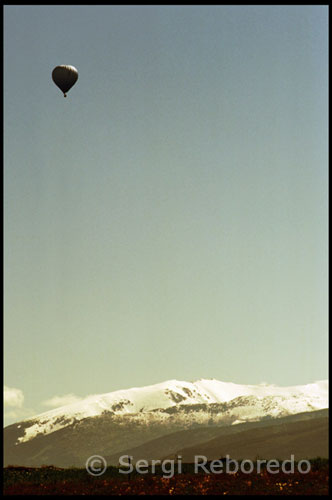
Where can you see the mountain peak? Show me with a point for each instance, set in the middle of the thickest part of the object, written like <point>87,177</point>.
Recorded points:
<point>225,398</point>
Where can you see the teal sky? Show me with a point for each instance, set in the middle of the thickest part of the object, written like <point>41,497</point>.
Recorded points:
<point>168,219</point>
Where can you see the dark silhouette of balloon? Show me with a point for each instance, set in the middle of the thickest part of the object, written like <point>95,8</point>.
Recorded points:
<point>65,77</point>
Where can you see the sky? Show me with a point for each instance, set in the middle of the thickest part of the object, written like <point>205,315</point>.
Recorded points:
<point>169,218</point>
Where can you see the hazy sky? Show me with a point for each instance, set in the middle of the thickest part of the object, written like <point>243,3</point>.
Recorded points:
<point>168,219</point>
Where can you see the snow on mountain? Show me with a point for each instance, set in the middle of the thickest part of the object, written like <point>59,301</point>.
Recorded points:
<point>244,402</point>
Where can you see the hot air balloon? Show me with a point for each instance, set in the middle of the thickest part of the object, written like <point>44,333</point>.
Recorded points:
<point>64,77</point>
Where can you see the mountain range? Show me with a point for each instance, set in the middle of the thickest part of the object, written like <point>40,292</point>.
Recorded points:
<point>175,417</point>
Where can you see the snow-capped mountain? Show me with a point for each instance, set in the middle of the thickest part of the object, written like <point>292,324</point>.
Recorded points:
<point>108,424</point>
<point>225,400</point>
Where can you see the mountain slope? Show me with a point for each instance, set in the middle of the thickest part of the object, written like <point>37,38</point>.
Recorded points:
<point>303,439</point>
<point>180,442</point>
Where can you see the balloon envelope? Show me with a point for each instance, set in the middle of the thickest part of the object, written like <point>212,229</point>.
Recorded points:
<point>65,77</point>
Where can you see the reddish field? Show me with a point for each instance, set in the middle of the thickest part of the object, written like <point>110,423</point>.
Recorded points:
<point>24,482</point>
